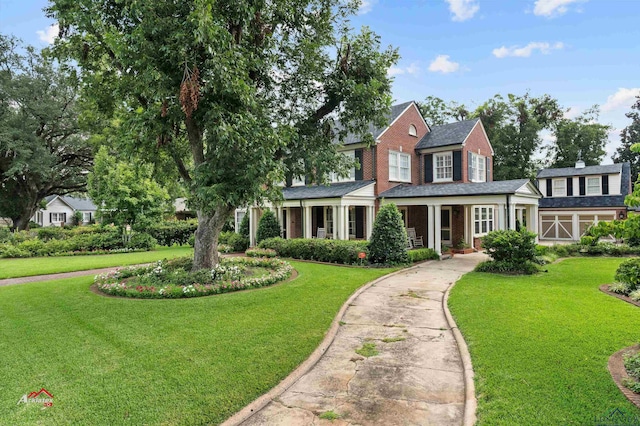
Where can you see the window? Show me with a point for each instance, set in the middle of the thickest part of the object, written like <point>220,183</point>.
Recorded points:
<point>351,155</point>
<point>412,130</point>
<point>483,220</point>
<point>399,166</point>
<point>559,187</point>
<point>328,220</point>
<point>478,168</point>
<point>86,217</point>
<point>352,222</point>
<point>404,212</point>
<point>58,217</point>
<point>443,167</point>
<point>593,186</point>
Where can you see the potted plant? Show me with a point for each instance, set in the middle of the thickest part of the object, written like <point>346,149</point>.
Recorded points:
<point>462,247</point>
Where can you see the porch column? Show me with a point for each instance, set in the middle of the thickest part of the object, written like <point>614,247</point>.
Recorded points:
<point>512,216</point>
<point>468,225</point>
<point>279,217</point>
<point>533,218</point>
<point>502,222</point>
<point>437,232</point>
<point>307,232</point>
<point>520,217</point>
<point>252,228</point>
<point>287,226</point>
<point>369,221</point>
<point>430,225</point>
<point>576,227</point>
<point>334,213</point>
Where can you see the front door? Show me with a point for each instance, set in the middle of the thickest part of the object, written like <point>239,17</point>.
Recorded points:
<point>445,225</point>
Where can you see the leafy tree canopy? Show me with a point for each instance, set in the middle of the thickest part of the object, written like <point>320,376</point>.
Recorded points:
<point>43,150</point>
<point>235,93</point>
<point>630,136</point>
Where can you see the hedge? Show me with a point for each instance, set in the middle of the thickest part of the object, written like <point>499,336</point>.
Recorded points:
<point>322,250</point>
<point>418,255</point>
<point>173,232</point>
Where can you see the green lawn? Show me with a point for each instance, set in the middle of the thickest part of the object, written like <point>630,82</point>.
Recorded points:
<point>539,345</point>
<point>186,361</point>
<point>13,268</point>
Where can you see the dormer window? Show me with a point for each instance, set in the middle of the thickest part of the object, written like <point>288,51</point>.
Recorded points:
<point>559,187</point>
<point>412,130</point>
<point>593,186</point>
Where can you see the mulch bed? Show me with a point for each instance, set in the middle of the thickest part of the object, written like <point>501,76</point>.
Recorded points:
<point>605,289</point>
<point>94,289</point>
<point>619,373</point>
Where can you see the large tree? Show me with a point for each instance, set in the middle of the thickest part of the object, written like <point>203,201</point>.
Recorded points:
<point>629,136</point>
<point>234,92</point>
<point>42,148</point>
<point>582,137</point>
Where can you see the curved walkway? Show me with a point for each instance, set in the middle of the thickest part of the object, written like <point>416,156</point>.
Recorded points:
<point>418,377</point>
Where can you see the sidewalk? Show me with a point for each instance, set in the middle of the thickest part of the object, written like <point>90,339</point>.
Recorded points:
<point>418,375</point>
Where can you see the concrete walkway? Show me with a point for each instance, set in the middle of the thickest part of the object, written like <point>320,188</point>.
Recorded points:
<point>48,277</point>
<point>418,375</point>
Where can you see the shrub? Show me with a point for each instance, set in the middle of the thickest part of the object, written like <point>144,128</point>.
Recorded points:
<point>619,288</point>
<point>51,233</point>
<point>223,248</point>
<point>507,267</point>
<point>5,234</point>
<point>237,242</point>
<point>243,229</point>
<point>389,238</point>
<point>635,295</point>
<point>268,227</point>
<point>259,252</point>
<point>422,254</point>
<point>9,250</point>
<point>141,241</point>
<point>588,240</point>
<point>169,233</point>
<point>511,246</point>
<point>629,273</point>
<point>323,250</point>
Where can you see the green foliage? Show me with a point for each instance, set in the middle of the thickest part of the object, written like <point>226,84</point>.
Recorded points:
<point>260,252</point>
<point>509,245</point>
<point>388,243</point>
<point>329,415</point>
<point>77,219</point>
<point>127,192</point>
<point>141,241</point>
<point>43,150</point>
<point>630,136</point>
<point>507,267</point>
<point>629,273</point>
<point>173,232</point>
<point>237,242</point>
<point>268,226</point>
<point>580,137</point>
<point>417,255</point>
<point>367,350</point>
<point>631,229</point>
<point>322,250</point>
<point>243,229</point>
<point>588,240</point>
<point>635,295</point>
<point>632,365</point>
<point>620,288</point>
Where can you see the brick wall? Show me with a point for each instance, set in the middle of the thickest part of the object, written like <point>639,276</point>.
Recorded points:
<point>476,143</point>
<point>397,138</point>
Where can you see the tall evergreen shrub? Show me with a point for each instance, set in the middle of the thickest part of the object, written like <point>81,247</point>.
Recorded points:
<point>268,227</point>
<point>388,243</point>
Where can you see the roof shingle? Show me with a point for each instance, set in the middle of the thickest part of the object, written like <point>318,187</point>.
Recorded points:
<point>455,189</point>
<point>334,190</point>
<point>394,113</point>
<point>447,134</point>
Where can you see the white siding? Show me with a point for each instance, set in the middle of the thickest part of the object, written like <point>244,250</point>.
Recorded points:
<point>614,184</point>
<point>57,206</point>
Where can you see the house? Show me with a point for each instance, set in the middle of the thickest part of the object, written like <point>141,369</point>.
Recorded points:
<point>577,197</point>
<point>60,210</point>
<point>441,178</point>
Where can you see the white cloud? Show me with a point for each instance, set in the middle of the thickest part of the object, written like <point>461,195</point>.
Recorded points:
<point>463,9</point>
<point>49,34</point>
<point>550,8</point>
<point>623,98</point>
<point>412,69</point>
<point>526,51</point>
<point>442,64</point>
<point>366,6</point>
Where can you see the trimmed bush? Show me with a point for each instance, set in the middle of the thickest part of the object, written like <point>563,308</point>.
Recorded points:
<point>389,238</point>
<point>509,245</point>
<point>173,232</point>
<point>507,267</point>
<point>237,242</point>
<point>268,227</point>
<point>141,241</point>
<point>418,255</point>
<point>322,250</point>
<point>260,252</point>
<point>629,273</point>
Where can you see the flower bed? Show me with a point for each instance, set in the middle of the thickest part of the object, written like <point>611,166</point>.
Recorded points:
<point>172,279</point>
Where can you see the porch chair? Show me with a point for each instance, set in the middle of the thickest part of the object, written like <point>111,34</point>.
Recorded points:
<point>321,234</point>
<point>417,241</point>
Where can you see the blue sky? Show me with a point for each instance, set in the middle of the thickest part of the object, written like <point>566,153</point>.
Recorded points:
<point>582,52</point>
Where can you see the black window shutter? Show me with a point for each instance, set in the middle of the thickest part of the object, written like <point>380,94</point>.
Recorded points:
<point>582,186</point>
<point>569,187</point>
<point>457,165</point>
<point>605,185</point>
<point>549,194</point>
<point>359,222</point>
<point>488,169</point>
<point>50,217</point>
<point>358,155</point>
<point>428,168</point>
<point>469,168</point>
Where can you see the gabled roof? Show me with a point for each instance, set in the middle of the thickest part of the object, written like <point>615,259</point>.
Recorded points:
<point>447,134</point>
<point>395,112</point>
<point>334,190</point>
<point>588,170</point>
<point>76,203</point>
<point>458,189</point>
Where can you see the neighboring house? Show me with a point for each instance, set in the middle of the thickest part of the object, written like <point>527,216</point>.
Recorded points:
<point>577,197</point>
<point>60,210</point>
<point>440,178</point>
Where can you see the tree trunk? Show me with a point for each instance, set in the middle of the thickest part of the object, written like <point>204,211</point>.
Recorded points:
<point>21,221</point>
<point>205,255</point>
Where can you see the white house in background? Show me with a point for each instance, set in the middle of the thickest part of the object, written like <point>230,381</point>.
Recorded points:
<point>60,210</point>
